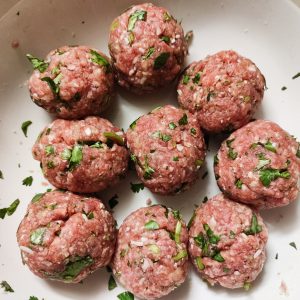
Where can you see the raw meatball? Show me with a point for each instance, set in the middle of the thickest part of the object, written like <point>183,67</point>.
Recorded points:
<point>259,164</point>
<point>147,47</point>
<point>168,149</point>
<point>66,237</point>
<point>227,242</point>
<point>223,90</point>
<point>151,254</point>
<point>73,82</point>
<point>82,156</point>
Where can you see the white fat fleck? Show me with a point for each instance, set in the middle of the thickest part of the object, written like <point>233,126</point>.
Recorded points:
<point>217,77</point>
<point>71,67</point>
<point>251,68</point>
<point>179,147</point>
<point>137,243</point>
<point>144,239</point>
<point>257,253</point>
<point>131,72</point>
<point>237,273</point>
<point>127,229</point>
<point>177,36</point>
<point>179,92</point>
<point>88,131</point>
<point>145,265</point>
<point>84,217</point>
<point>212,222</point>
<point>119,133</point>
<point>74,84</point>
<point>26,249</point>
<point>173,41</point>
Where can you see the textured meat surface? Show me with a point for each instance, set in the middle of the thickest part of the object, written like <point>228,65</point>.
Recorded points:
<point>223,90</point>
<point>151,262</point>
<point>137,52</point>
<point>243,253</point>
<point>82,156</point>
<point>66,237</point>
<point>249,158</point>
<point>85,87</point>
<point>168,149</point>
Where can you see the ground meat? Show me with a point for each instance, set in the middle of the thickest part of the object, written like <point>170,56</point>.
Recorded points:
<point>227,242</point>
<point>147,47</point>
<point>223,90</point>
<point>82,156</point>
<point>259,164</point>
<point>72,82</point>
<point>151,254</point>
<point>167,148</point>
<point>66,237</point>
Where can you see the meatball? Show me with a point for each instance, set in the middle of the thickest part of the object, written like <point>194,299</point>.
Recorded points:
<point>66,237</point>
<point>151,256</point>
<point>167,148</point>
<point>227,242</point>
<point>82,156</point>
<point>259,164</point>
<point>73,82</point>
<point>147,47</point>
<point>223,90</point>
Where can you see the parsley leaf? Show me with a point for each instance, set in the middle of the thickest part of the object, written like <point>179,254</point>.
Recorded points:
<point>172,125</point>
<point>150,51</point>
<point>126,296</point>
<point>7,288</point>
<point>136,187</point>
<point>186,79</point>
<point>37,197</point>
<point>52,85</point>
<point>138,15</point>
<point>148,171</point>
<point>293,244</point>
<point>27,181</point>
<point>9,210</point>
<point>33,298</point>
<point>296,76</point>
<point>239,183</point>
<point>49,149</point>
<point>188,36</point>
<point>151,225</point>
<point>25,126</point>
<point>166,39</point>
<point>97,58</point>
<point>161,60</point>
<point>283,88</point>
<point>247,286</point>
<point>111,283</point>
<point>199,263</point>
<point>76,157</point>
<point>38,64</point>
<point>112,136</point>
<point>166,16</point>
<point>196,78</point>
<point>268,145</point>
<point>231,153</point>
<point>266,176</point>
<point>37,236</point>
<point>181,254</point>
<point>1,175</point>
<point>113,201</point>
<point>177,232</point>
<point>254,227</point>
<point>133,124</point>
<point>183,120</point>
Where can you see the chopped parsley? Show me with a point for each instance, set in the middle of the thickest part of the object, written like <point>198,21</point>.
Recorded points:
<point>97,145</point>
<point>7,288</point>
<point>166,39</point>
<point>262,161</point>
<point>231,153</point>
<point>298,151</point>
<point>113,201</point>
<point>138,15</point>
<point>188,36</point>
<point>193,131</point>
<point>37,64</point>
<point>266,176</point>
<point>1,175</point>
<point>133,124</point>
<point>293,244</point>
<point>180,255</point>
<point>76,157</point>
<point>136,187</point>
<point>49,149</point>
<point>99,59</point>
<point>33,298</point>
<point>111,283</point>
<point>167,16</point>
<point>130,38</point>
<point>199,263</point>
<point>177,232</point>
<point>126,296</point>
<point>175,158</point>
<point>196,78</point>
<point>176,214</point>
<point>205,199</point>
<point>50,164</point>
<point>209,95</point>
<point>296,76</point>
<point>231,234</point>
<point>172,125</point>
<point>53,84</point>
<point>25,126</point>
<point>254,227</point>
<point>115,138</point>
<point>191,220</point>
<point>27,181</point>
<point>247,286</point>
<point>9,210</point>
<point>186,79</point>
<point>183,121</point>
<point>165,137</point>
<point>283,88</point>
<point>161,60</point>
<point>151,225</point>
<point>37,236</point>
<point>154,249</point>
<point>37,197</point>
<point>66,154</point>
<point>199,162</point>
<point>268,145</point>
<point>150,51</point>
<point>216,160</point>
<point>148,171</point>
<point>239,183</point>
<point>115,24</point>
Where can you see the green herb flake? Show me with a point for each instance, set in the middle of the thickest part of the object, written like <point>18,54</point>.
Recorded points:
<point>210,95</point>
<point>76,157</point>
<point>97,145</point>
<point>115,138</point>
<point>148,171</point>
<point>293,244</point>
<point>193,131</point>
<point>254,227</point>
<point>33,298</point>
<point>268,145</point>
<point>205,199</point>
<point>177,232</point>
<point>199,263</point>
<point>191,220</point>
<point>130,38</point>
<point>37,64</point>
<point>247,286</point>
<point>151,225</point>
<point>133,124</point>
<point>175,158</point>
<point>216,160</point>
<point>37,197</point>
<point>154,248</point>
<point>113,201</point>
<point>283,88</point>
<point>231,234</point>
<point>296,76</point>
<point>115,24</point>
<point>183,120</point>
<point>180,255</point>
<point>37,236</point>
<point>50,164</point>
<point>111,283</point>
<point>56,70</point>
<point>196,78</point>
<point>136,187</point>
<point>218,257</point>
<point>52,85</point>
<point>149,53</point>
<point>66,154</point>
<point>199,162</point>
<point>9,210</point>
<point>186,79</point>
<point>133,158</point>
<point>231,153</point>
<point>166,39</point>
<point>166,16</point>
<point>1,175</point>
<point>126,296</point>
<point>25,126</point>
<point>138,15</point>
<point>27,181</point>
<point>239,183</point>
<point>7,288</point>
<point>97,58</point>
<point>49,149</point>
<point>266,176</point>
<point>165,137</point>
<point>188,36</point>
<point>161,60</point>
<point>172,125</point>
